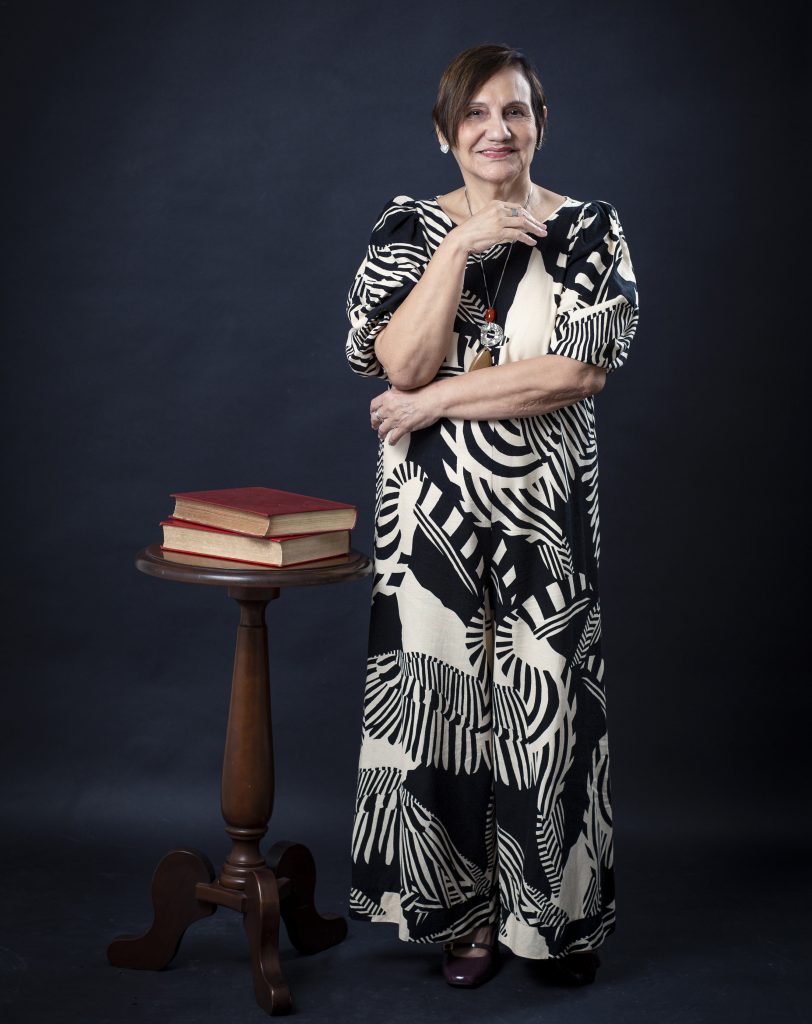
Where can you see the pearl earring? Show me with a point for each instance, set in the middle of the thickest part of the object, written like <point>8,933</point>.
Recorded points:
<point>444,147</point>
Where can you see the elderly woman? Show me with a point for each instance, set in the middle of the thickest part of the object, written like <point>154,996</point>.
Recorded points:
<point>495,312</point>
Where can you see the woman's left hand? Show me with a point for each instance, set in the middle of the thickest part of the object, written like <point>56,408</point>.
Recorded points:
<point>396,412</point>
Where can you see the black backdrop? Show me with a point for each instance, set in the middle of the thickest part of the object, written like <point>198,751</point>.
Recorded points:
<point>187,191</point>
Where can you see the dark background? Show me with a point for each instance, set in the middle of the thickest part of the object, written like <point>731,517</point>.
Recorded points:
<point>187,191</point>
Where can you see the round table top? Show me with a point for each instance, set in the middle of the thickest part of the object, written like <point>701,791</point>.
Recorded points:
<point>171,565</point>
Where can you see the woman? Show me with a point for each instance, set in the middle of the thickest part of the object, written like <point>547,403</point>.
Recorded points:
<point>495,313</point>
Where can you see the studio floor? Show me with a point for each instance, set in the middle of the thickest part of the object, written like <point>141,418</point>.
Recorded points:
<point>708,931</point>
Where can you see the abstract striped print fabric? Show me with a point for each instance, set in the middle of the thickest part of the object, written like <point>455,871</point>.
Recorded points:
<point>484,788</point>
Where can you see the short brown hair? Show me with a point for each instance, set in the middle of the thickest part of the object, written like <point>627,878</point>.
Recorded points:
<point>471,69</point>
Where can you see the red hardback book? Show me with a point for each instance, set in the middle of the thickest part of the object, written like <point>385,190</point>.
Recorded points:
<point>208,562</point>
<point>264,511</point>
<point>290,549</point>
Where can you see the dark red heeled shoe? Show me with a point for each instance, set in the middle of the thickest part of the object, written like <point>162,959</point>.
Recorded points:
<point>470,971</point>
<point>572,969</point>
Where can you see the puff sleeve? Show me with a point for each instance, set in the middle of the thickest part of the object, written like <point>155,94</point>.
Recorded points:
<point>395,259</point>
<point>597,307</point>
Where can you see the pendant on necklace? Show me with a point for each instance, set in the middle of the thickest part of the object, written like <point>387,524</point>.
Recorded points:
<point>491,334</point>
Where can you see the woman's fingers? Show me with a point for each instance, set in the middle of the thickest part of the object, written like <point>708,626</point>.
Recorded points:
<point>529,219</point>
<point>398,414</point>
<point>376,421</point>
<point>522,235</point>
<point>496,223</point>
<point>531,222</point>
<point>387,426</point>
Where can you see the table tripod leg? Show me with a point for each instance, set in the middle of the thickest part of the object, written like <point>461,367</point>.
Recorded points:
<point>261,922</point>
<point>175,908</point>
<point>308,930</point>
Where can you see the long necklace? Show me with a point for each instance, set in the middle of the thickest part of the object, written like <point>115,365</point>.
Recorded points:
<point>491,334</point>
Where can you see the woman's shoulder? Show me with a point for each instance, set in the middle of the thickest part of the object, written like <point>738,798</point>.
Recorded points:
<point>418,225</point>
<point>594,228</point>
<point>398,220</point>
<point>584,208</point>
<point>401,202</point>
<point>402,207</point>
<point>589,220</point>
<point>597,209</point>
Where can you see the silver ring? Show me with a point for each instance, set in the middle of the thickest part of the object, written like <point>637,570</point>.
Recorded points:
<point>514,212</point>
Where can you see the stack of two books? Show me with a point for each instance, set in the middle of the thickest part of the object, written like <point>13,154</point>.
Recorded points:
<point>259,526</point>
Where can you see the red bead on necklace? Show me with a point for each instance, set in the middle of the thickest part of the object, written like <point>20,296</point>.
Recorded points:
<point>490,314</point>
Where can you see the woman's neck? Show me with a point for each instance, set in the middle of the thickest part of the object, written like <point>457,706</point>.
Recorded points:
<point>481,192</point>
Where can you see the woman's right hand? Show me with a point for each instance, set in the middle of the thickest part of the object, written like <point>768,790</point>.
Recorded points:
<point>494,223</point>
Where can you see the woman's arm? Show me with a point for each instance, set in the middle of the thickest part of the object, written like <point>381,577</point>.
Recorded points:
<point>529,387</point>
<point>412,346</point>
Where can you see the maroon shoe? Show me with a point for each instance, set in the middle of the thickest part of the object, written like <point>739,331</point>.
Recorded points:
<point>572,969</point>
<point>469,971</point>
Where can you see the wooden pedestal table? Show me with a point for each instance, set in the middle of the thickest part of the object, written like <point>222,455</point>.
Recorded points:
<point>184,887</point>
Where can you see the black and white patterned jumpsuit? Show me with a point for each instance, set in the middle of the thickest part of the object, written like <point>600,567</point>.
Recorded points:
<point>483,784</point>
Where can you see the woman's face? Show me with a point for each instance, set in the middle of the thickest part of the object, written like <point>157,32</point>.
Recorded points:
<point>497,137</point>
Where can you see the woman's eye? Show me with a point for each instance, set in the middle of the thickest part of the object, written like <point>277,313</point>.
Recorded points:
<point>511,111</point>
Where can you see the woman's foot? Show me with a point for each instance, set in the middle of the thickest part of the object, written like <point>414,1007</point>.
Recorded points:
<point>471,960</point>
<point>572,969</point>
<point>485,933</point>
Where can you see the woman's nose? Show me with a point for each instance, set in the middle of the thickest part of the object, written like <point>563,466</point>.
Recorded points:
<point>497,127</point>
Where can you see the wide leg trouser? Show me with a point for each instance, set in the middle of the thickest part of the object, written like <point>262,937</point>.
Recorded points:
<point>483,786</point>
